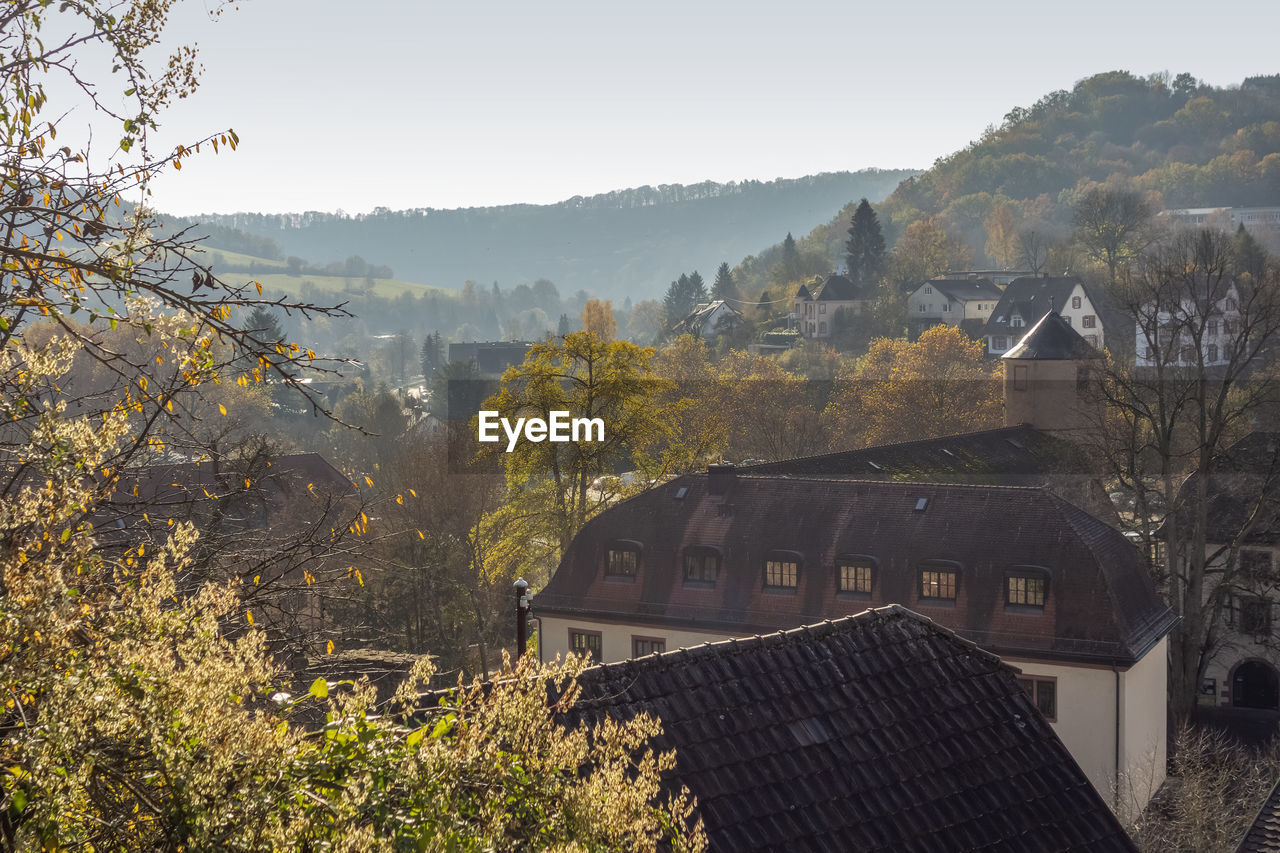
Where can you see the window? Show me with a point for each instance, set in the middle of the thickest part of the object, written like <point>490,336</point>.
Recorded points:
<point>782,570</point>
<point>585,643</point>
<point>1075,302</point>
<point>938,583</point>
<point>928,289</point>
<point>853,574</point>
<point>822,308</point>
<point>1255,565</point>
<point>622,559</point>
<point>1015,322</point>
<point>822,327</point>
<point>1090,321</point>
<point>1019,377</point>
<point>921,307</point>
<point>1066,319</point>
<point>1025,589</point>
<point>1212,328</point>
<point>1255,616</point>
<point>1092,340</point>
<point>1211,352</point>
<point>999,343</point>
<point>701,565</point>
<point>1044,693</point>
<point>641,646</point>
<point>946,308</point>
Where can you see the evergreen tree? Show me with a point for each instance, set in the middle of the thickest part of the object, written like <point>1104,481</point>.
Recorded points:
<point>564,327</point>
<point>765,306</point>
<point>723,288</point>
<point>497,293</point>
<point>264,326</point>
<point>790,258</point>
<point>866,252</point>
<point>683,294</point>
<point>432,354</point>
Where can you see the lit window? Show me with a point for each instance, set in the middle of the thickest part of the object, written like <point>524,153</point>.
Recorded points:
<point>939,584</point>
<point>782,570</point>
<point>701,565</point>
<point>853,574</point>
<point>622,559</point>
<point>1025,590</point>
<point>1044,693</point>
<point>641,646</point>
<point>585,643</point>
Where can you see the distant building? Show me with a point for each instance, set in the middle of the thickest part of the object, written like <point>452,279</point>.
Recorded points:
<point>966,302</point>
<point>709,320</point>
<point>1167,335</point>
<point>1028,299</point>
<point>816,306</point>
<point>1001,278</point>
<point>491,358</point>
<point>1261,219</point>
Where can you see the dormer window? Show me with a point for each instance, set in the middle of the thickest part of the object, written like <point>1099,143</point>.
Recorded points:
<point>854,575</point>
<point>782,570</point>
<point>701,564</point>
<point>1026,587</point>
<point>939,581</point>
<point>622,559</point>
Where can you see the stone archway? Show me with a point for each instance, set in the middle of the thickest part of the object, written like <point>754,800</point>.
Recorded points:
<point>1255,684</point>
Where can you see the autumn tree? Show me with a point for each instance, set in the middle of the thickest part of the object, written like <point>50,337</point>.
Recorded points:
<point>1002,240</point>
<point>902,391</point>
<point>597,318</point>
<point>771,412</point>
<point>550,482</point>
<point>925,251</point>
<point>865,250</point>
<point>1112,224</point>
<point>1204,342</point>
<point>646,322</point>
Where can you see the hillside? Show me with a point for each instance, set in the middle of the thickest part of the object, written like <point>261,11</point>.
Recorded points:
<point>1183,143</point>
<point>625,243</point>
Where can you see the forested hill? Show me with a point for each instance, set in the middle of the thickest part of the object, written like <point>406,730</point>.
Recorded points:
<point>630,242</point>
<point>1178,141</point>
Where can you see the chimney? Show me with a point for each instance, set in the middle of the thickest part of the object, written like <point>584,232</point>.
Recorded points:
<point>1051,304</point>
<point>720,478</point>
<point>973,276</point>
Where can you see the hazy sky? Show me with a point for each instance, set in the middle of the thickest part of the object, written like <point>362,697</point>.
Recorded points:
<point>403,104</point>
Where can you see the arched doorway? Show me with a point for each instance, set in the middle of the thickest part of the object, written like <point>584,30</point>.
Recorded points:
<point>1255,684</point>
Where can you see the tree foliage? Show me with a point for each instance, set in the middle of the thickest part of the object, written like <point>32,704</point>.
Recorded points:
<point>865,251</point>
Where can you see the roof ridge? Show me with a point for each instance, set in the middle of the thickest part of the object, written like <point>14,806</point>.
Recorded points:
<point>916,484</point>
<point>826,627</point>
<point>897,445</point>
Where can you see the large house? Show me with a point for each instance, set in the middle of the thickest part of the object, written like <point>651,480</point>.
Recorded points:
<point>1208,318</point>
<point>816,305</point>
<point>964,302</point>
<point>1017,570</point>
<point>1027,299</point>
<point>880,731</point>
<point>709,320</point>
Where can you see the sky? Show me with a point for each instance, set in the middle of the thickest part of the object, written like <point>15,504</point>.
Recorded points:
<point>417,103</point>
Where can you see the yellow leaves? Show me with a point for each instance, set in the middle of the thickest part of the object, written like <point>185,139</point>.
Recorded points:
<point>328,649</point>
<point>412,492</point>
<point>420,536</point>
<point>248,614</point>
<point>400,499</point>
<point>177,164</point>
<point>308,577</point>
<point>247,483</point>
<point>258,285</point>
<point>256,579</point>
<point>222,409</point>
<point>370,482</point>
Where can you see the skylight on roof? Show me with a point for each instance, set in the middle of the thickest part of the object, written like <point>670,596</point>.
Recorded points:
<point>948,452</point>
<point>921,503</point>
<point>681,492</point>
<point>874,465</point>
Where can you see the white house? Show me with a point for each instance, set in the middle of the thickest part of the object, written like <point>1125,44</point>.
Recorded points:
<point>1028,299</point>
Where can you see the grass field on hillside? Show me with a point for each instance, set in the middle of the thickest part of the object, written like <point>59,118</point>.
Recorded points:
<point>386,288</point>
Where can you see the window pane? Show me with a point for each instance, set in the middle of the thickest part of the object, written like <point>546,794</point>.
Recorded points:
<point>622,562</point>
<point>641,646</point>
<point>938,585</point>
<point>586,642</point>
<point>854,576</point>
<point>701,566</point>
<point>1026,590</point>
<point>781,573</point>
<point>1047,698</point>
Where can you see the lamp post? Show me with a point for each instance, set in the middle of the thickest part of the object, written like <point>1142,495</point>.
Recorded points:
<point>524,603</point>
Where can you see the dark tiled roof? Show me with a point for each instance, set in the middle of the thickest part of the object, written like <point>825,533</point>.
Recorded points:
<point>1030,298</point>
<point>1050,339</point>
<point>1264,835</point>
<point>1101,605</point>
<point>876,732</point>
<point>967,290</point>
<point>838,288</point>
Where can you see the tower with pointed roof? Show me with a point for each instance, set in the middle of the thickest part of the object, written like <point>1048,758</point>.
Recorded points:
<point>1047,379</point>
